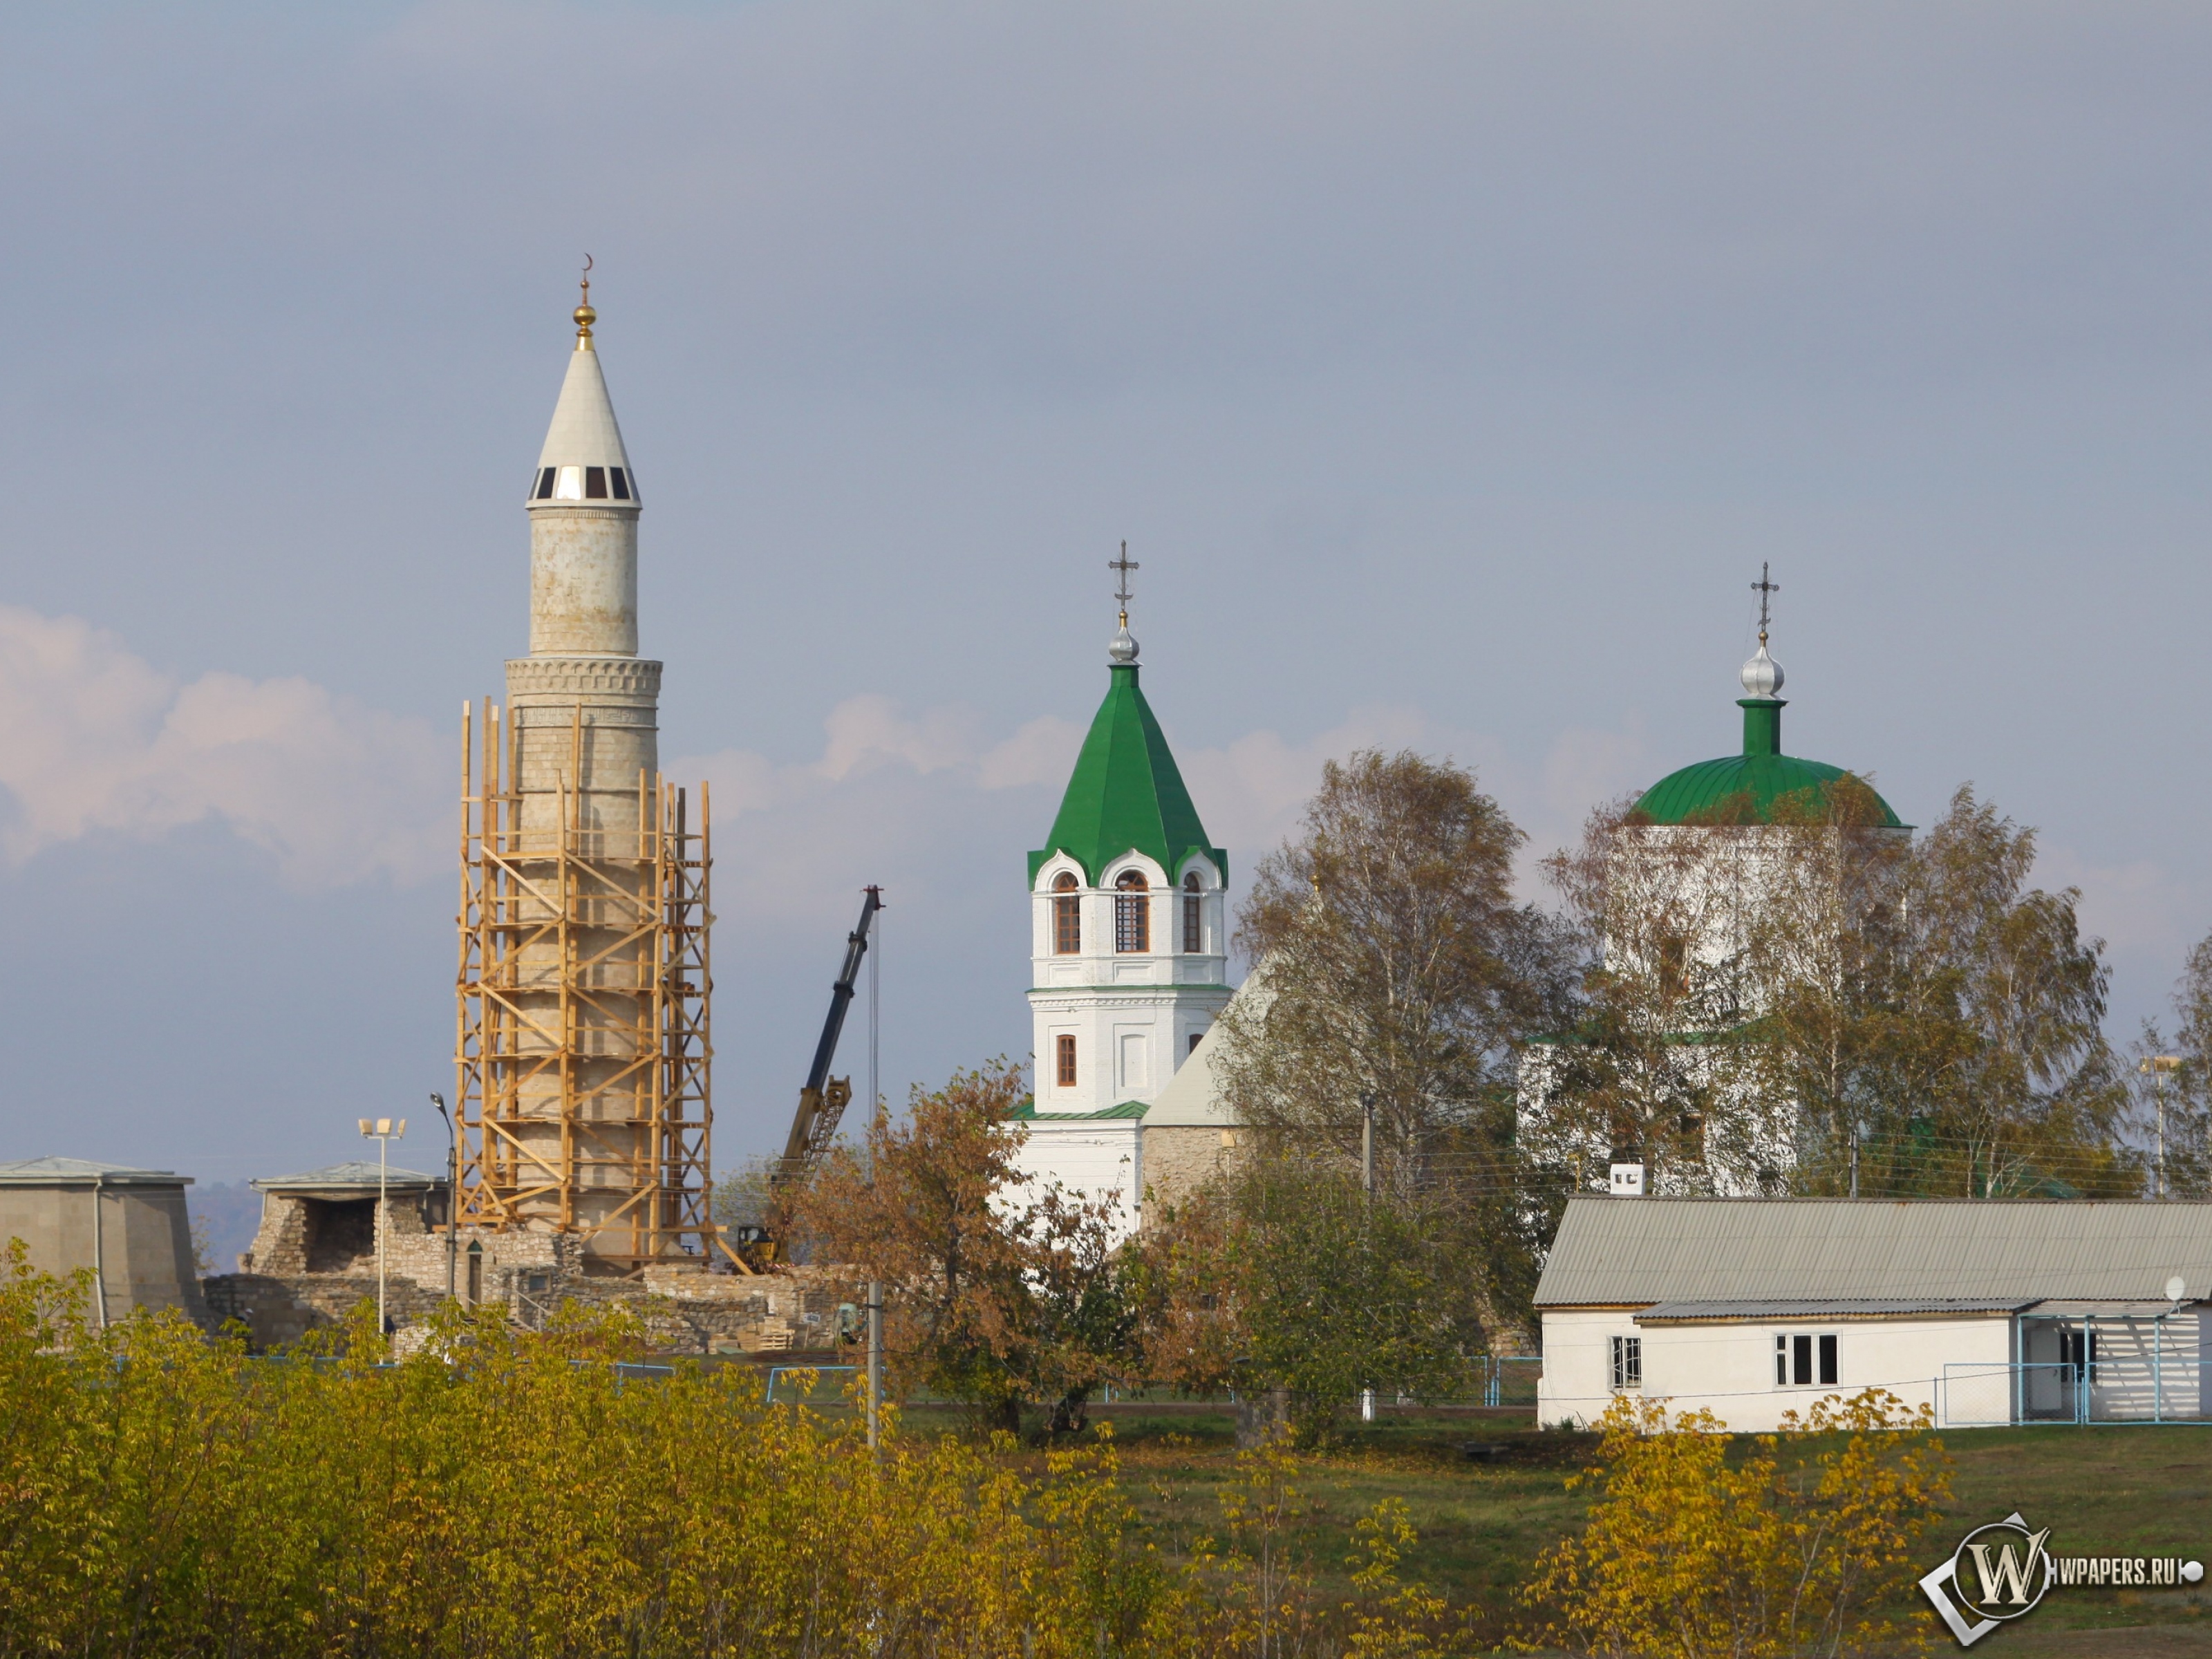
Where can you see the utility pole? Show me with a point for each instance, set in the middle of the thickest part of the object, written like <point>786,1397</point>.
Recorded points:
<point>1855,1160</point>
<point>875,1120</point>
<point>1367,1193</point>
<point>452,1192</point>
<point>2159,1068</point>
<point>383,1130</point>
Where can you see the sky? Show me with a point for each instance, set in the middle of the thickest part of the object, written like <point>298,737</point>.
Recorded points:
<point>1450,370</point>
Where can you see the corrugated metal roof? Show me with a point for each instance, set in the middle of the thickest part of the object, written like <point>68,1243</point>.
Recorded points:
<point>1616,1252</point>
<point>355,1172</point>
<point>82,1172</point>
<point>1827,1308</point>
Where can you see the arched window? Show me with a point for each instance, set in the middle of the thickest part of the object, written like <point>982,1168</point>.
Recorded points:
<point>475,1273</point>
<point>1066,917</point>
<point>1193,918</point>
<point>1133,913</point>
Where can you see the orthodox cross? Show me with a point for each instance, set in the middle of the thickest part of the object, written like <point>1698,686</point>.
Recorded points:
<point>1123,565</point>
<point>1764,587</point>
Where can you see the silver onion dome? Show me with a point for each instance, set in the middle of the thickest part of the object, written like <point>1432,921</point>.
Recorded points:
<point>1124,646</point>
<point>1762,674</point>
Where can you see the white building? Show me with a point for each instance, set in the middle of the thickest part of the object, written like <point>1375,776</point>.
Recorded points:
<point>1703,850</point>
<point>1990,1312</point>
<point>1128,944</point>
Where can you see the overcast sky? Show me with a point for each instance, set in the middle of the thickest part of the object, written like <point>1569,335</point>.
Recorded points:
<point>1450,370</point>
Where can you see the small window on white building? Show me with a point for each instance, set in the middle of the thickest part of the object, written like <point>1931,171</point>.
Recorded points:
<point>1064,1061</point>
<point>1627,1366</point>
<point>1805,1361</point>
<point>1193,916</point>
<point>1132,914</point>
<point>569,484</point>
<point>1066,917</point>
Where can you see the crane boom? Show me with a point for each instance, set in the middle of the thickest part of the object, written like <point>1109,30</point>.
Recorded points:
<point>823,1099</point>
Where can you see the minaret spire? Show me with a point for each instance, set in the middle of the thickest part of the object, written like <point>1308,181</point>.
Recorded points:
<point>584,315</point>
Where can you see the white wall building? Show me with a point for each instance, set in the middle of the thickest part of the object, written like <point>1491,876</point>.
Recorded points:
<point>1128,944</point>
<point>1988,1312</point>
<point>1703,849</point>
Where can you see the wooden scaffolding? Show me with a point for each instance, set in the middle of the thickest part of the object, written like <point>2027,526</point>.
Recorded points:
<point>583,1047</point>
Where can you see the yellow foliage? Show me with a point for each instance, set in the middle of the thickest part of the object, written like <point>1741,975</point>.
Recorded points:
<point>1795,1545</point>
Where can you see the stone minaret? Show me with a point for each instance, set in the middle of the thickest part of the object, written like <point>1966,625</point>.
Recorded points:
<point>578,1134</point>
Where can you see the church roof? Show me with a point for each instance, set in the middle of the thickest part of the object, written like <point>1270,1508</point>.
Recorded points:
<point>1747,788</point>
<point>1127,795</point>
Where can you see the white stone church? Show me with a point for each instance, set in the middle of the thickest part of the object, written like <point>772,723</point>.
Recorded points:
<point>1129,946</point>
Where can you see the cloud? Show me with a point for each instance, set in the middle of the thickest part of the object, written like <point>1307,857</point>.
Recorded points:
<point>95,740</point>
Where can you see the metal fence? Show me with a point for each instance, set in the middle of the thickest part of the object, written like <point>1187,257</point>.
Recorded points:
<point>2147,1389</point>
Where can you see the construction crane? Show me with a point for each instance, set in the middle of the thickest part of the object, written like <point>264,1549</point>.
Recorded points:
<point>821,1098</point>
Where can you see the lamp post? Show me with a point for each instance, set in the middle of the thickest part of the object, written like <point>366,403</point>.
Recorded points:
<point>2159,1067</point>
<point>452,1192</point>
<point>383,1130</point>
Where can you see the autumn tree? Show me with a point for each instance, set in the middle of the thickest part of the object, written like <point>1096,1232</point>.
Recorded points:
<point>1807,1542</point>
<point>1856,1009</point>
<point>1286,1278</point>
<point>1398,975</point>
<point>996,1294</point>
<point>2171,1074</point>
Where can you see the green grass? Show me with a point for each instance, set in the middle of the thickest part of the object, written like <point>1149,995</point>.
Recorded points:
<point>2103,1491</point>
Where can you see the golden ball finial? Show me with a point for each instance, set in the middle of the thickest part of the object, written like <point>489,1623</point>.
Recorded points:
<point>584,315</point>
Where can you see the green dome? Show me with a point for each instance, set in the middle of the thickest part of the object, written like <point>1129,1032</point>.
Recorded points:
<point>1757,778</point>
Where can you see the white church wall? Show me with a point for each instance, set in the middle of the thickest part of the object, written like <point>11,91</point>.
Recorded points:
<point>1093,1159</point>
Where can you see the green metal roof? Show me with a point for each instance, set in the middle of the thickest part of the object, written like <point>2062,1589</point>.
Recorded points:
<point>1747,787</point>
<point>1127,795</point>
<point>1028,1113</point>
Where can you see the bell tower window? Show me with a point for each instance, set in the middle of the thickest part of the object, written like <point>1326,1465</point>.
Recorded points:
<point>1066,917</point>
<point>1193,916</point>
<point>1063,1058</point>
<point>1132,914</point>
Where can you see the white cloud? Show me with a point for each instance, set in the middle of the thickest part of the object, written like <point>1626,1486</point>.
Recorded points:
<point>95,740</point>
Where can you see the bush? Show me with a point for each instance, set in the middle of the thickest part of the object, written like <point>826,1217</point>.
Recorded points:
<point>1797,1547</point>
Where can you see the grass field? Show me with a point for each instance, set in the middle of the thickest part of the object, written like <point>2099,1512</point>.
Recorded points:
<point>2103,1491</point>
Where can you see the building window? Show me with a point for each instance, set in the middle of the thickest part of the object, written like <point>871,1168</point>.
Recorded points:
<point>2077,1352</point>
<point>595,483</point>
<point>475,1273</point>
<point>621,483</point>
<point>1064,1061</point>
<point>1132,914</point>
<point>1066,917</point>
<point>544,490</point>
<point>1196,1038</point>
<point>1194,918</point>
<point>569,484</point>
<point>1627,1366</point>
<point>1805,1362</point>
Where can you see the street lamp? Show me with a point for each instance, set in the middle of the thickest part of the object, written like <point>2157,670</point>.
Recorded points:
<point>452,1191</point>
<point>383,1130</point>
<point>2162,1067</point>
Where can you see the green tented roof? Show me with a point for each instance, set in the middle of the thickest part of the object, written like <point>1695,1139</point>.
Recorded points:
<point>1757,779</point>
<point>1127,795</point>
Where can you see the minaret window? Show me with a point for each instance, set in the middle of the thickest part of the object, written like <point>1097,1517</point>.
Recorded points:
<point>620,483</point>
<point>1132,914</point>
<point>1064,1061</point>
<point>1066,917</point>
<point>569,484</point>
<point>544,490</point>
<point>595,483</point>
<point>1194,918</point>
